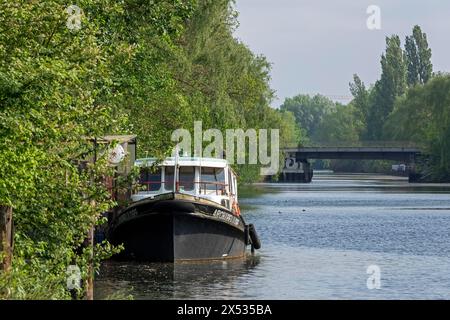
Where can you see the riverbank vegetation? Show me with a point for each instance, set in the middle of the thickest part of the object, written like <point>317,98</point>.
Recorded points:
<point>408,104</point>
<point>113,67</point>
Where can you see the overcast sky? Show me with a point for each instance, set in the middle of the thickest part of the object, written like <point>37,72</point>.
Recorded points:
<point>316,46</point>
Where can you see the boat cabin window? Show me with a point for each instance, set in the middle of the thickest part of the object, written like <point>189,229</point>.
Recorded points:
<point>212,179</point>
<point>168,178</point>
<point>186,178</point>
<point>151,178</point>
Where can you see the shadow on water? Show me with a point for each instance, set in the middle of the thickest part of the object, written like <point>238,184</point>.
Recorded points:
<point>172,280</point>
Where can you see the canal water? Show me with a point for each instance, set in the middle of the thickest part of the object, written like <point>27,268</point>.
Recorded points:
<point>331,239</point>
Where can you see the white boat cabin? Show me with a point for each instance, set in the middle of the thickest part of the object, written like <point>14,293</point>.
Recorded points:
<point>207,178</point>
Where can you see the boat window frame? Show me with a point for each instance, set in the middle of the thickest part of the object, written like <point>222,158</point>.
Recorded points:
<point>166,181</point>
<point>230,182</point>
<point>220,181</point>
<point>193,190</point>
<point>220,188</point>
<point>148,183</point>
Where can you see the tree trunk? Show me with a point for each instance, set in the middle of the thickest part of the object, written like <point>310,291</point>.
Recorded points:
<point>6,237</point>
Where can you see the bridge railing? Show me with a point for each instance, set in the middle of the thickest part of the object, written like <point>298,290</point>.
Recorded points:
<point>356,144</point>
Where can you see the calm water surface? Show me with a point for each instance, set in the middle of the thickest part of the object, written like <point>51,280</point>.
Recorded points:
<point>318,240</point>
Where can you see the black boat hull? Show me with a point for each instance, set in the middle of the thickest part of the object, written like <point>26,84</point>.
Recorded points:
<point>178,228</point>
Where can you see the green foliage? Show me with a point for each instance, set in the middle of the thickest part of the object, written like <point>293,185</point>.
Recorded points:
<point>309,111</point>
<point>391,85</point>
<point>418,57</point>
<point>321,120</point>
<point>399,69</point>
<point>423,115</point>
<point>52,93</point>
<point>202,73</point>
<point>339,126</point>
<point>415,110</point>
<point>141,66</point>
<point>361,103</point>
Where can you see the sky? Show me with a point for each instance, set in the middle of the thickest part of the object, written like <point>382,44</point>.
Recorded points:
<point>315,46</point>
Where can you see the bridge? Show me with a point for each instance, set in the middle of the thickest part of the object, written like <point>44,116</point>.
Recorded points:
<point>298,168</point>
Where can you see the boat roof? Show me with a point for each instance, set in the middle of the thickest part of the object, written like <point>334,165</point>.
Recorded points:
<point>184,161</point>
<point>119,138</point>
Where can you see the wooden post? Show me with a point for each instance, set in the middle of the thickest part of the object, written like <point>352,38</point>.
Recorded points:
<point>90,279</point>
<point>6,236</point>
<point>90,243</point>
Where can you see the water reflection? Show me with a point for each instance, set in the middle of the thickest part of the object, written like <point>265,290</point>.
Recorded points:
<point>186,280</point>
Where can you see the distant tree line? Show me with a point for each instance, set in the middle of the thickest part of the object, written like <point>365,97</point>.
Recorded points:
<point>408,103</point>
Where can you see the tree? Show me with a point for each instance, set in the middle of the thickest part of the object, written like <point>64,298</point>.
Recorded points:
<point>418,57</point>
<point>412,59</point>
<point>308,111</point>
<point>391,85</point>
<point>423,115</point>
<point>339,126</point>
<point>361,103</point>
<point>52,95</point>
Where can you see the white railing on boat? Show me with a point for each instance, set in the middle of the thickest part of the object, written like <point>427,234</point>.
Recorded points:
<point>220,188</point>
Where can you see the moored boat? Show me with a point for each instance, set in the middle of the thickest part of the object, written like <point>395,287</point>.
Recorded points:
<point>188,210</point>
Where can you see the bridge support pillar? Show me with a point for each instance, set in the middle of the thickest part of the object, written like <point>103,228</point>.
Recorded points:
<point>307,171</point>
<point>413,176</point>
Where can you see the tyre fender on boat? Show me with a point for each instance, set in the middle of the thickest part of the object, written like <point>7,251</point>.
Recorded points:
<point>254,239</point>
